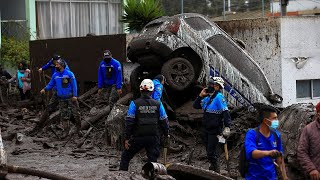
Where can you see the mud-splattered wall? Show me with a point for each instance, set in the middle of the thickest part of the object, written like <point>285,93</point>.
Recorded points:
<point>275,43</point>
<point>300,40</point>
<point>262,39</point>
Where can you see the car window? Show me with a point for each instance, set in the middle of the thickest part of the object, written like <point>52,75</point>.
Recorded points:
<point>238,59</point>
<point>198,23</point>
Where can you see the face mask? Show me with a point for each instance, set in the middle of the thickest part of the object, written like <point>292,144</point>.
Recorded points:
<point>210,89</point>
<point>274,124</point>
<point>58,69</point>
<point>107,60</point>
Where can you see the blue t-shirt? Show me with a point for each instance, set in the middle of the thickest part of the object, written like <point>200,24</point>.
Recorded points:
<point>263,168</point>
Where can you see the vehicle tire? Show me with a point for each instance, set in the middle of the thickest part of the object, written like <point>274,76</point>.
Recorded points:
<point>137,75</point>
<point>179,73</point>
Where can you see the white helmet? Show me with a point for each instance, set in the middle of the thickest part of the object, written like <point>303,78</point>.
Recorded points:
<point>147,84</point>
<point>219,81</point>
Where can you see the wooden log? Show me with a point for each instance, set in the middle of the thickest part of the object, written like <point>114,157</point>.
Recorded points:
<point>81,98</point>
<point>85,104</point>
<point>34,172</point>
<point>104,112</point>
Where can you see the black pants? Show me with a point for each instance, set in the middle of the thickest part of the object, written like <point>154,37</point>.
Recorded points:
<point>150,143</point>
<point>211,142</point>
<point>24,96</point>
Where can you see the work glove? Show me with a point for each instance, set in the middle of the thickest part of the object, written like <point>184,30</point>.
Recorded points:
<point>226,132</point>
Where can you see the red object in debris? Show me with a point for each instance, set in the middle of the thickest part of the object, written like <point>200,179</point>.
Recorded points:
<point>318,107</point>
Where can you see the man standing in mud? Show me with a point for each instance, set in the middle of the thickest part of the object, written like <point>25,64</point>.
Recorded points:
<point>215,117</point>
<point>110,78</point>
<point>54,101</point>
<point>146,118</point>
<point>66,86</point>
<point>309,147</point>
<point>263,147</point>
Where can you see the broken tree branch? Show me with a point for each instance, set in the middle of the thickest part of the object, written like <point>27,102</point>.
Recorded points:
<point>104,112</point>
<point>34,172</point>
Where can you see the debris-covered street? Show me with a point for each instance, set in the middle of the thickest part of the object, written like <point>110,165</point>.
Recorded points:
<point>159,90</point>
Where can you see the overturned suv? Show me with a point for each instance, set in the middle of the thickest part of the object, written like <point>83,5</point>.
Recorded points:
<point>187,49</point>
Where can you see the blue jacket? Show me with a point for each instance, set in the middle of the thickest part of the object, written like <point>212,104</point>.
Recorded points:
<point>262,168</point>
<point>115,77</point>
<point>52,67</point>
<point>215,112</point>
<point>65,83</point>
<point>157,92</point>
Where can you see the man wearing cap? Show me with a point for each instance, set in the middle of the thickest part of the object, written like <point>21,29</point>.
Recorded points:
<point>263,147</point>
<point>145,120</point>
<point>215,117</point>
<point>66,85</point>
<point>51,64</point>
<point>158,82</point>
<point>54,101</point>
<point>309,147</point>
<point>110,78</point>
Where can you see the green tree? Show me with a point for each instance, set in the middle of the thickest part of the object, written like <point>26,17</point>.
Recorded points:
<point>140,12</point>
<point>13,51</point>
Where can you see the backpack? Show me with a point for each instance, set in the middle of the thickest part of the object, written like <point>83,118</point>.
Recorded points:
<point>243,162</point>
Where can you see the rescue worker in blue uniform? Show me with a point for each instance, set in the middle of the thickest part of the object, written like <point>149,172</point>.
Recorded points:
<point>145,119</point>
<point>66,86</point>
<point>110,78</point>
<point>54,101</point>
<point>267,149</point>
<point>51,64</point>
<point>215,117</point>
<point>158,82</point>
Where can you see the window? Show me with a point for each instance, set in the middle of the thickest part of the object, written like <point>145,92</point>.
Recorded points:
<point>308,88</point>
<point>198,23</point>
<point>74,18</point>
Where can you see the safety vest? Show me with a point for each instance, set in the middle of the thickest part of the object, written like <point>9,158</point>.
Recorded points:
<point>147,116</point>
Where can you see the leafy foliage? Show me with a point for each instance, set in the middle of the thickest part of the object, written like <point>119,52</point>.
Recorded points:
<point>13,51</point>
<point>140,12</point>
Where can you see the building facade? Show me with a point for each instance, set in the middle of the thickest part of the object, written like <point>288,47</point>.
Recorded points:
<point>48,19</point>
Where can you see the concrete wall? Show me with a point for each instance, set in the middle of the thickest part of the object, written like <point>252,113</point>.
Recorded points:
<point>262,39</point>
<point>300,38</point>
<point>274,42</point>
<point>299,5</point>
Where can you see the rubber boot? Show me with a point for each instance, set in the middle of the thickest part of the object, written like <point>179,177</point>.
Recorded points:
<point>215,166</point>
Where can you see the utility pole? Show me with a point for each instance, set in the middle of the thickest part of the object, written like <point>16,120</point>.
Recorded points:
<point>181,6</point>
<point>262,8</point>
<point>224,9</point>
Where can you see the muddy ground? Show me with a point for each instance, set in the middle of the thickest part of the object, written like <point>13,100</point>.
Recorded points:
<point>99,157</point>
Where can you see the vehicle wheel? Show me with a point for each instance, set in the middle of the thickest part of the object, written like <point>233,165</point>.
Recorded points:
<point>179,73</point>
<point>137,75</point>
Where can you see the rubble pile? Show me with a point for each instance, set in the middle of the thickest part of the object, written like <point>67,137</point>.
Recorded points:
<point>102,134</point>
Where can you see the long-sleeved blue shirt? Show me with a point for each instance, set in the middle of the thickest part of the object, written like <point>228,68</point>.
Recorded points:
<point>216,112</point>
<point>262,168</point>
<point>65,83</point>
<point>113,68</point>
<point>157,92</point>
<point>52,67</point>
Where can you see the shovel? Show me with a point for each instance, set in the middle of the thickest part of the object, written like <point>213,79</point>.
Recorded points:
<point>226,152</point>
